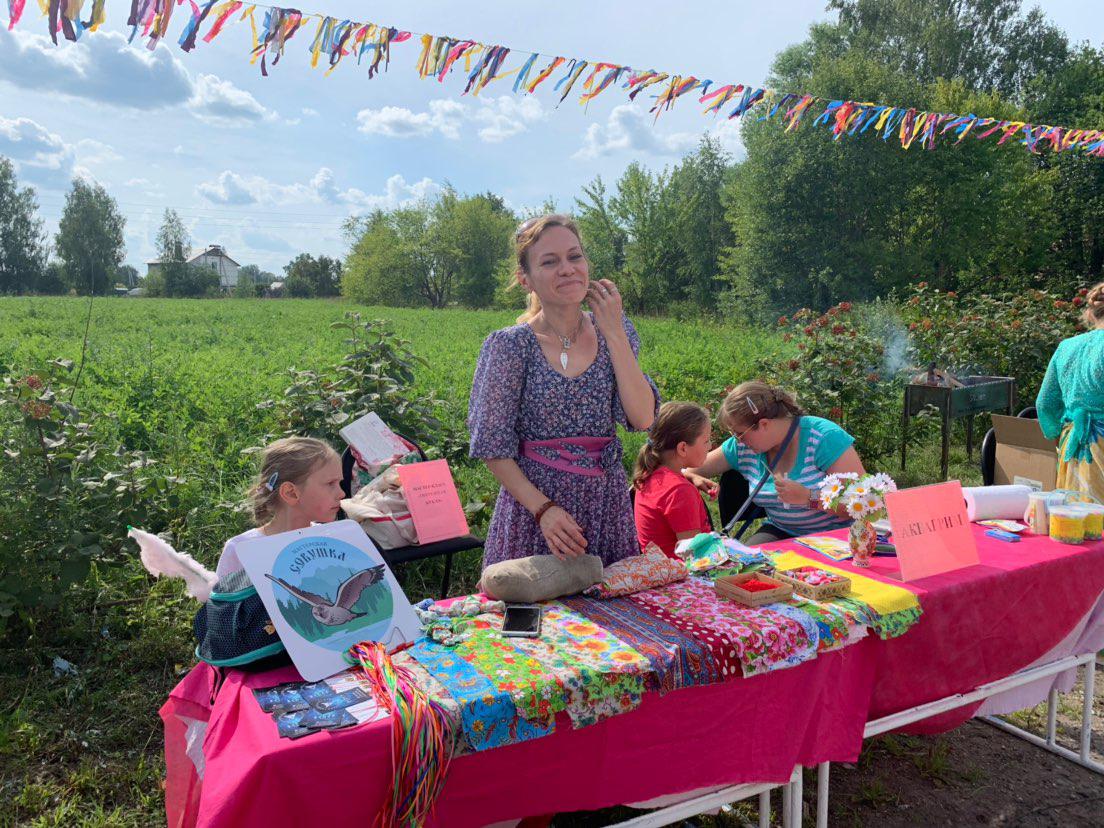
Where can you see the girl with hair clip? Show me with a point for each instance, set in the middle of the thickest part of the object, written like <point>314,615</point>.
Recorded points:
<point>760,417</point>
<point>546,400</point>
<point>299,484</point>
<point>1071,403</point>
<point>668,507</point>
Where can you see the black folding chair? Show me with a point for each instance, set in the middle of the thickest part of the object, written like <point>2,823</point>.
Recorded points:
<point>989,448</point>
<point>415,552</point>
<point>734,491</point>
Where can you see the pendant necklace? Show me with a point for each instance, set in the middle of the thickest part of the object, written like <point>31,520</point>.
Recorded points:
<point>565,341</point>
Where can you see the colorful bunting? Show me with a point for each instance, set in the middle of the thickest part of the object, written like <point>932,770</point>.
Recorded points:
<point>335,39</point>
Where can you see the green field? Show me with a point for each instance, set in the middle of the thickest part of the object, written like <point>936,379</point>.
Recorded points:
<point>181,379</point>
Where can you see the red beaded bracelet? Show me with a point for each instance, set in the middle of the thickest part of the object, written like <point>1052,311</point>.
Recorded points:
<point>548,504</point>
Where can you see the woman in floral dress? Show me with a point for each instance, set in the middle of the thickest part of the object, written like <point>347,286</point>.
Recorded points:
<point>546,400</point>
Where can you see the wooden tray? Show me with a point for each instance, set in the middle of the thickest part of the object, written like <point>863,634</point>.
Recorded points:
<point>820,592</point>
<point>729,588</point>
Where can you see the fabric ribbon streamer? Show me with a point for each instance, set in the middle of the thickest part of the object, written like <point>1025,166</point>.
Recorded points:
<point>421,739</point>
<point>336,39</point>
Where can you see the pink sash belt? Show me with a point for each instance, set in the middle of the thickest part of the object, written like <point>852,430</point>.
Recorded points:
<point>567,454</point>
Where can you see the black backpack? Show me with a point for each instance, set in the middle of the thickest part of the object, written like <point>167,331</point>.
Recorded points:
<point>233,628</point>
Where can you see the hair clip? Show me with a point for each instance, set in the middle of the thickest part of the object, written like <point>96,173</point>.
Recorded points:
<point>273,478</point>
<point>751,404</point>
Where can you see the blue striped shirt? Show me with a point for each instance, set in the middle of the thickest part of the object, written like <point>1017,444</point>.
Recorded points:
<point>820,444</point>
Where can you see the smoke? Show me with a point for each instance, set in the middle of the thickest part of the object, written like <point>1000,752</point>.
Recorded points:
<point>883,323</point>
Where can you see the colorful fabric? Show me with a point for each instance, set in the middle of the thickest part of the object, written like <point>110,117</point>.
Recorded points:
<point>575,666</point>
<point>518,396</point>
<point>1083,475</point>
<point>881,597</point>
<point>666,505</point>
<point>743,640</point>
<point>640,572</point>
<point>677,660</point>
<point>603,676</point>
<point>488,714</point>
<point>836,627</point>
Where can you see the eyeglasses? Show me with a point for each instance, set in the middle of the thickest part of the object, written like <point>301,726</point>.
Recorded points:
<point>740,436</point>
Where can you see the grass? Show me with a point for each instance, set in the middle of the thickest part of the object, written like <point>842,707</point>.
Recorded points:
<point>181,379</point>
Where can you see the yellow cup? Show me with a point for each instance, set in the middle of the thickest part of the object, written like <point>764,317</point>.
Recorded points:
<point>1067,524</point>
<point>1094,520</point>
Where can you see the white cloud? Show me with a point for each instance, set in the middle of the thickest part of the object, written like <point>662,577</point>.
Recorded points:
<point>310,113</point>
<point>235,189</point>
<point>494,119</point>
<point>105,68</point>
<point>262,240</point>
<point>41,157</point>
<point>219,102</point>
<point>90,151</point>
<point>629,129</point>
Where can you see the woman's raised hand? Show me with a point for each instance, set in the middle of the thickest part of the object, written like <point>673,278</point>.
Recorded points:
<point>562,533</point>
<point>605,301</point>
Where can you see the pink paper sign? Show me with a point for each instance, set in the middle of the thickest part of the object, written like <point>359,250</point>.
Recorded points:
<point>930,530</point>
<point>433,501</point>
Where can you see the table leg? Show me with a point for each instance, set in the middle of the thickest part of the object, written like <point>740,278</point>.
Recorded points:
<point>796,795</point>
<point>946,456</point>
<point>904,430</point>
<point>1087,710</point>
<point>764,809</point>
<point>822,795</point>
<point>448,576</point>
<point>970,436</point>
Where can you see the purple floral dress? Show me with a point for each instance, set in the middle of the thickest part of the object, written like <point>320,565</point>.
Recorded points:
<point>516,395</point>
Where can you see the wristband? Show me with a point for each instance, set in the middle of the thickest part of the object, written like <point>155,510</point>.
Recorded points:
<point>537,515</point>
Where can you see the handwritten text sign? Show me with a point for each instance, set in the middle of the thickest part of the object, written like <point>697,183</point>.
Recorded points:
<point>930,530</point>
<point>433,501</point>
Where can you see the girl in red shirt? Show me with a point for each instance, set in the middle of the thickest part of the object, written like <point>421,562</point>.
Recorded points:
<point>668,507</point>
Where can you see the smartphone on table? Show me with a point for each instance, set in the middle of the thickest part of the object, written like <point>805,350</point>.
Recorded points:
<point>522,621</point>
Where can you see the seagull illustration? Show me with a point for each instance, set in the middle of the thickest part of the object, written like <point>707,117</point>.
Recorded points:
<point>340,611</point>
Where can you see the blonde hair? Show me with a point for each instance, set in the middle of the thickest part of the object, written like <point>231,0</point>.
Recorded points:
<point>754,400</point>
<point>1093,317</point>
<point>528,233</point>
<point>288,460</point>
<point>678,422</point>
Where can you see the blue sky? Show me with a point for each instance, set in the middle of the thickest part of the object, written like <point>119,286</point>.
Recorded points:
<point>270,167</point>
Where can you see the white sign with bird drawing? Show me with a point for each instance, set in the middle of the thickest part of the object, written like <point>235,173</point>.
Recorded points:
<point>327,588</point>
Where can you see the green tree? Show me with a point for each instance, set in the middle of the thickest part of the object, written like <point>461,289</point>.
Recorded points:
<point>470,237</point>
<point>1073,95</point>
<point>174,247</point>
<point>308,276</point>
<point>89,240</point>
<point>987,44</point>
<point>127,276</point>
<point>700,230</point>
<point>22,242</point>
<point>642,209</point>
<point>603,237</point>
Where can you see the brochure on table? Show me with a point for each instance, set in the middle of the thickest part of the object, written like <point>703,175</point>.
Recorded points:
<point>327,588</point>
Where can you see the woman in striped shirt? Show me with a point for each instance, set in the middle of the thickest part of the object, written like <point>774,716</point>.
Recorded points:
<point>760,416</point>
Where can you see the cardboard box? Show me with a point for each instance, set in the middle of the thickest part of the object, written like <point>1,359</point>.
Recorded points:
<point>1024,455</point>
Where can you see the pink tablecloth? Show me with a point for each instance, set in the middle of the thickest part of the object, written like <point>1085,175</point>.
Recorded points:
<point>979,624</point>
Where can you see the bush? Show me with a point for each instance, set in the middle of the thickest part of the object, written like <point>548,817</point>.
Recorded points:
<point>68,492</point>
<point>376,375</point>
<point>840,370</point>
<point>1011,334</point>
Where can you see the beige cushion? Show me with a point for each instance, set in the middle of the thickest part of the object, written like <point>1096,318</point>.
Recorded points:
<point>540,578</point>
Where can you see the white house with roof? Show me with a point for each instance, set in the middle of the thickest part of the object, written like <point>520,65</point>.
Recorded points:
<point>213,256</point>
